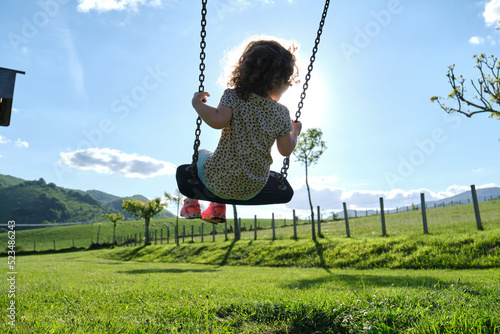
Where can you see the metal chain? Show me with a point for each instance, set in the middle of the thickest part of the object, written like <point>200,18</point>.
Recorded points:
<point>286,161</point>
<point>197,133</point>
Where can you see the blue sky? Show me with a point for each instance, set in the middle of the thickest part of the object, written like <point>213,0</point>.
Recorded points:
<point>105,102</point>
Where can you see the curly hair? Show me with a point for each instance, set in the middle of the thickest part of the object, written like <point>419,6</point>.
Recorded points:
<point>263,66</point>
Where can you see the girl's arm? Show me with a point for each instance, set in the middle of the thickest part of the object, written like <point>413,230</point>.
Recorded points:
<point>216,118</point>
<point>286,144</point>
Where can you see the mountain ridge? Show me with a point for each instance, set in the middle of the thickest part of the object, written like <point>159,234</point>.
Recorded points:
<point>39,203</point>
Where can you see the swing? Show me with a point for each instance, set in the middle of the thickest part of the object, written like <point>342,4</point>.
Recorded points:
<point>277,189</point>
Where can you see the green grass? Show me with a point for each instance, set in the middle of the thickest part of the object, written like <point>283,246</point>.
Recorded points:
<point>83,293</point>
<point>463,251</point>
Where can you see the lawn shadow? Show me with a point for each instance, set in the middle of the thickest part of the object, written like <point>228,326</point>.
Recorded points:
<point>319,249</point>
<point>228,253</point>
<point>132,254</point>
<point>166,271</point>
<point>362,280</point>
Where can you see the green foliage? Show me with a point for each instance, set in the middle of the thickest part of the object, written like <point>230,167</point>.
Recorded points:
<point>310,146</point>
<point>36,202</point>
<point>114,217</point>
<point>486,94</point>
<point>144,210</point>
<point>8,181</point>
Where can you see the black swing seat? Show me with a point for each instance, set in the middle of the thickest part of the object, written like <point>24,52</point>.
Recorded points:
<point>272,193</point>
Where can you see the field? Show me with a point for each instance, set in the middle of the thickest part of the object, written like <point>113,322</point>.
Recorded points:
<point>453,220</point>
<point>83,293</point>
<point>407,282</point>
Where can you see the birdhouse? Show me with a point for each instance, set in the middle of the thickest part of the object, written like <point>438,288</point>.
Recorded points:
<point>7,81</point>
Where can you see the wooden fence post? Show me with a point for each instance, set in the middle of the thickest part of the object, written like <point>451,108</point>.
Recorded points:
<point>346,218</point>
<point>382,215</point>
<point>294,225</point>
<point>54,245</point>
<point>225,230</point>
<point>235,218</point>
<point>319,223</point>
<point>424,213</point>
<point>213,232</point>
<point>476,208</point>
<point>192,233</point>
<point>202,231</point>
<point>255,226</point>
<point>273,225</point>
<point>183,233</point>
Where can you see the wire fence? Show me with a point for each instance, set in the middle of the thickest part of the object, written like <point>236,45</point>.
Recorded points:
<point>461,216</point>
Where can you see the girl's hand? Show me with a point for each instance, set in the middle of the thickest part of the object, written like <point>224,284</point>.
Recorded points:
<point>297,127</point>
<point>201,96</point>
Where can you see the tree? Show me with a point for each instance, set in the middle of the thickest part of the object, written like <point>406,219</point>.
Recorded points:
<point>486,95</point>
<point>144,210</point>
<point>309,149</point>
<point>177,199</point>
<point>114,218</point>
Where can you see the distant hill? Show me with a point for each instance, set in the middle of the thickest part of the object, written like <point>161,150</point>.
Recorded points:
<point>8,181</point>
<point>36,202</point>
<point>483,195</point>
<point>102,196</point>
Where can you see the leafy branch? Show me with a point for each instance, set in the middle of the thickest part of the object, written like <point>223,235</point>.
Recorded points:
<point>486,96</point>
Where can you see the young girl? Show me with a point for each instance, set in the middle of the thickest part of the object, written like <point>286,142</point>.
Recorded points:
<point>252,120</point>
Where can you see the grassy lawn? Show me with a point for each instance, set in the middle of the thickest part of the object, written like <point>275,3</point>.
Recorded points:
<point>82,292</point>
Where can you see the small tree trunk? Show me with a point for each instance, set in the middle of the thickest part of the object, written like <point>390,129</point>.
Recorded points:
<point>114,229</point>
<point>146,235</point>
<point>177,231</point>
<point>311,205</point>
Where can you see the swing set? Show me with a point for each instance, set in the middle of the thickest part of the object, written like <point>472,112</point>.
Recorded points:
<point>277,189</point>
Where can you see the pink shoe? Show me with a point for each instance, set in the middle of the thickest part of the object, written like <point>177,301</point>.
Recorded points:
<point>191,210</point>
<point>215,213</point>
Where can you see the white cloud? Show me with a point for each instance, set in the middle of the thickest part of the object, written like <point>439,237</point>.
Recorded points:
<point>476,40</point>
<point>4,140</point>
<point>21,143</point>
<point>332,198</point>
<point>492,12</point>
<point>75,68</point>
<point>108,5</point>
<point>316,182</point>
<point>108,161</point>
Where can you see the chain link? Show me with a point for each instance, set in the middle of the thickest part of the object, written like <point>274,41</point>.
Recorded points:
<point>201,88</point>
<point>286,161</point>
